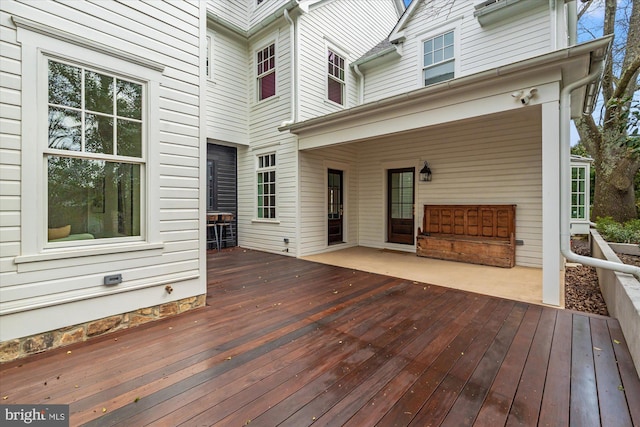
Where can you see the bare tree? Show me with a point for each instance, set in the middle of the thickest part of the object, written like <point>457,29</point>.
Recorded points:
<point>612,139</point>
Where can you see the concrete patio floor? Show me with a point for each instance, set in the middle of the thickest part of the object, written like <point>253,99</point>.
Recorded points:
<point>518,283</point>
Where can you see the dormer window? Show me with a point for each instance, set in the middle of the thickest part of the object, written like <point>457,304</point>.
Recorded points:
<point>259,2</point>
<point>438,59</point>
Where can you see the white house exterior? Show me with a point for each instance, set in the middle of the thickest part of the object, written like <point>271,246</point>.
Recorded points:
<point>298,117</point>
<point>483,111</point>
<point>299,35</point>
<point>100,216</point>
<point>490,128</point>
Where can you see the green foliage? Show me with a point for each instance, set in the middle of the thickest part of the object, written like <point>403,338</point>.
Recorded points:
<point>580,150</point>
<point>613,231</point>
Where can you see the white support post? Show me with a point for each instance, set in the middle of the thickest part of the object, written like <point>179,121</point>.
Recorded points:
<point>551,257</point>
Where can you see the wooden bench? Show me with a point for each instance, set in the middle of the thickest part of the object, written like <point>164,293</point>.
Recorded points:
<point>477,234</point>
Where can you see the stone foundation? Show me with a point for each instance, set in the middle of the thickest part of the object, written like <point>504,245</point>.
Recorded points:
<point>22,347</point>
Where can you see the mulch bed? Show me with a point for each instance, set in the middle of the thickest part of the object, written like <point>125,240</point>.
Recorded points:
<point>582,291</point>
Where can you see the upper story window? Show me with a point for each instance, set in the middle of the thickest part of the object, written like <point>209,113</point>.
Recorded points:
<point>336,77</point>
<point>438,59</point>
<point>267,186</point>
<point>94,155</point>
<point>266,72</point>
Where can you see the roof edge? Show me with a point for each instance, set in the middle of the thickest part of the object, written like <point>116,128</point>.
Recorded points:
<point>550,58</point>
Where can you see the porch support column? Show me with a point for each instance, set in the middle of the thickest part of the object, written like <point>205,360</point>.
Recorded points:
<point>551,257</point>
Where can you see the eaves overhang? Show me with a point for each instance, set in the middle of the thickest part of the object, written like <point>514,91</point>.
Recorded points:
<point>392,51</point>
<point>248,32</point>
<point>591,52</point>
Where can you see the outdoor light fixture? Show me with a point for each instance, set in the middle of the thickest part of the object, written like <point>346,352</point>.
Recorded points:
<point>425,173</point>
<point>525,96</point>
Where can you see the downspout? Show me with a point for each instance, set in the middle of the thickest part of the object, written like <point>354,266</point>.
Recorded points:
<point>294,66</point>
<point>356,68</point>
<point>572,20</point>
<point>565,183</point>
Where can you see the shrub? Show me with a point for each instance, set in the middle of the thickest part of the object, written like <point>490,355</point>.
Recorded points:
<point>613,231</point>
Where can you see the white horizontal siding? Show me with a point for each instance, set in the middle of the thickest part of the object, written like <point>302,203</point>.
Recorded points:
<point>259,12</point>
<point>491,160</point>
<point>486,160</point>
<point>227,113</point>
<point>234,12</point>
<point>314,165</point>
<point>347,28</point>
<point>10,144</point>
<point>478,48</point>
<point>512,40</point>
<point>164,32</point>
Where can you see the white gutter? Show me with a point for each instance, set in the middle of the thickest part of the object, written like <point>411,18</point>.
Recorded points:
<point>417,95</point>
<point>265,22</point>
<point>294,65</point>
<point>565,181</point>
<point>356,68</point>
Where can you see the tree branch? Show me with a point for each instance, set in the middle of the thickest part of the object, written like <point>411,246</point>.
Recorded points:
<point>608,28</point>
<point>589,133</point>
<point>628,76</point>
<point>584,9</point>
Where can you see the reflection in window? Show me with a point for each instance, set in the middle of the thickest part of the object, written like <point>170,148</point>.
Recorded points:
<point>578,192</point>
<point>112,110</point>
<point>336,78</point>
<point>267,186</point>
<point>438,59</point>
<point>94,197</point>
<point>266,72</point>
<point>402,195</point>
<point>95,154</point>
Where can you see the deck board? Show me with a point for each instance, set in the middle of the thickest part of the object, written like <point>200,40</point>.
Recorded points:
<point>289,342</point>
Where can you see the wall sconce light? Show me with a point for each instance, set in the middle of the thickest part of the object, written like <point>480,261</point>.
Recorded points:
<point>425,173</point>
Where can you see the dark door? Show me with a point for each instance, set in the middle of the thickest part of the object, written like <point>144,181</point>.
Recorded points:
<point>222,185</point>
<point>334,203</point>
<point>400,205</point>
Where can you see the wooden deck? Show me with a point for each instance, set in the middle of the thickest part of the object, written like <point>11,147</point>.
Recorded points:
<point>290,342</point>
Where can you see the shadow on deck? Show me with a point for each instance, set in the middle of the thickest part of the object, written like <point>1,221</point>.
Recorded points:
<point>285,341</point>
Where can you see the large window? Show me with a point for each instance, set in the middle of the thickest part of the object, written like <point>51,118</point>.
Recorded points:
<point>267,186</point>
<point>579,192</point>
<point>266,72</point>
<point>336,77</point>
<point>95,153</point>
<point>438,59</point>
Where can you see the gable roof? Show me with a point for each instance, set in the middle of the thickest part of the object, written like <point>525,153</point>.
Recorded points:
<point>381,49</point>
<point>397,34</point>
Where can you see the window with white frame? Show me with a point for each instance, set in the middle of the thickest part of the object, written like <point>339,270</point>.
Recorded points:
<point>336,77</point>
<point>579,192</point>
<point>438,62</point>
<point>266,178</point>
<point>95,153</point>
<point>266,71</point>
